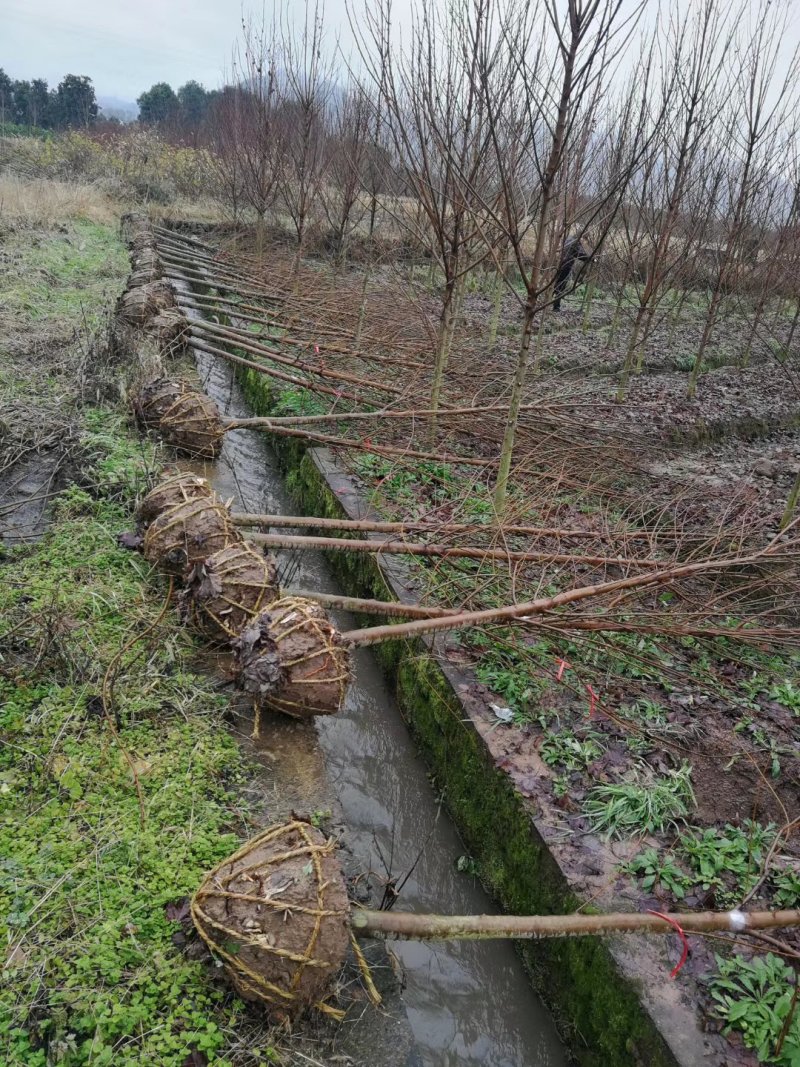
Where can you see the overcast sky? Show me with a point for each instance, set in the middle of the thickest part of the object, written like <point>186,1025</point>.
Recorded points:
<point>126,46</point>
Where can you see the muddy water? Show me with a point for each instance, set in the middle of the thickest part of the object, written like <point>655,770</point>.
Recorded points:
<point>468,1004</point>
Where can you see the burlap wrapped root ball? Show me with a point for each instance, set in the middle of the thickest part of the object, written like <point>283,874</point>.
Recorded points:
<point>187,533</point>
<point>155,399</point>
<point>136,306</point>
<point>175,489</point>
<point>193,425</point>
<point>276,913</point>
<point>226,590</point>
<point>291,659</point>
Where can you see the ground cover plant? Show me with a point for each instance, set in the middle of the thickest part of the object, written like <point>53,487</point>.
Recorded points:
<point>118,786</point>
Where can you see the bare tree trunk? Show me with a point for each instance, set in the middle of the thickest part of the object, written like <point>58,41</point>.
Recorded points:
<point>497,304</point>
<point>507,448</point>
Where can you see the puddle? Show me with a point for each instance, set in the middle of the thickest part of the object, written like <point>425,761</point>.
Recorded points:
<point>25,496</point>
<point>468,1004</point>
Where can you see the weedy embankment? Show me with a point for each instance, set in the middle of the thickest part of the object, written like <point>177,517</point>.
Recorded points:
<point>103,834</point>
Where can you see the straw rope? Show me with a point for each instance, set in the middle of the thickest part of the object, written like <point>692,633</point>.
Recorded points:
<point>213,930</point>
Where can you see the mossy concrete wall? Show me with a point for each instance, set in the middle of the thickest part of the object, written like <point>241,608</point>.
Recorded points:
<point>588,983</point>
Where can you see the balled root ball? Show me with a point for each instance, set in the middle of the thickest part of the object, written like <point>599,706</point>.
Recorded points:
<point>169,330</point>
<point>193,425</point>
<point>136,306</point>
<point>276,913</point>
<point>188,532</point>
<point>226,590</point>
<point>155,399</point>
<point>176,489</point>
<point>290,657</point>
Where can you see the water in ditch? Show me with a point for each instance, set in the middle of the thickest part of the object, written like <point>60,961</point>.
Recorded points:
<point>468,1004</point>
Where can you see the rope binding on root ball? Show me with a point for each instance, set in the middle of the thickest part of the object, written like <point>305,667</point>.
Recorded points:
<point>136,306</point>
<point>187,533</point>
<point>226,590</point>
<point>176,489</point>
<point>276,913</point>
<point>192,424</point>
<point>291,659</point>
<point>155,399</point>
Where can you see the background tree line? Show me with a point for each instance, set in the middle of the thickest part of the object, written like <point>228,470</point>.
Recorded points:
<point>72,105</point>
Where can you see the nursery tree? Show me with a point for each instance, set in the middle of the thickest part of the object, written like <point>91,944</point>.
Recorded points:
<point>348,154</point>
<point>691,85</point>
<point>435,117</point>
<point>224,124</point>
<point>540,100</point>
<point>755,131</point>
<point>257,138</point>
<point>303,116</point>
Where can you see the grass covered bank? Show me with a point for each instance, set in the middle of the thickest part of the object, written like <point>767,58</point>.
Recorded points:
<point>99,963</point>
<point>90,885</point>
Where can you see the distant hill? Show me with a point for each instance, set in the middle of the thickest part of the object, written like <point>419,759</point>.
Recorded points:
<point>117,108</point>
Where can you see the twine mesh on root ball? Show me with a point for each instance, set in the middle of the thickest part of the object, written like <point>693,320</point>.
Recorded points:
<point>187,533</point>
<point>226,590</point>
<point>193,425</point>
<point>169,329</point>
<point>277,914</point>
<point>155,399</point>
<point>136,306</point>
<point>291,659</point>
<point>176,489</point>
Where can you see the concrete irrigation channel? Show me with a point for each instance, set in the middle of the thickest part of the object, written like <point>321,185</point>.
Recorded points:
<point>467,1003</point>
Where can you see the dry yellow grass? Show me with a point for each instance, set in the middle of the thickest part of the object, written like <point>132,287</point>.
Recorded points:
<point>44,202</point>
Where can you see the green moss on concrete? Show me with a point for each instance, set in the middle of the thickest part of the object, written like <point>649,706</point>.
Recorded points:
<point>601,1015</point>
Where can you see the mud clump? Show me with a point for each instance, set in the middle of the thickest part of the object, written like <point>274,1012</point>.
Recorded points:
<point>189,532</point>
<point>276,913</point>
<point>291,659</point>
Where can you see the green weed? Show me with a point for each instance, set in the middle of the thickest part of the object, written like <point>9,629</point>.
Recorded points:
<point>728,860</point>
<point>788,694</point>
<point>655,870</point>
<point>643,804</point>
<point>565,749</point>
<point>755,998</point>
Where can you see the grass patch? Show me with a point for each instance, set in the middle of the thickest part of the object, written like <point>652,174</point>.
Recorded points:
<point>644,804</point>
<point>64,278</point>
<point>95,972</point>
